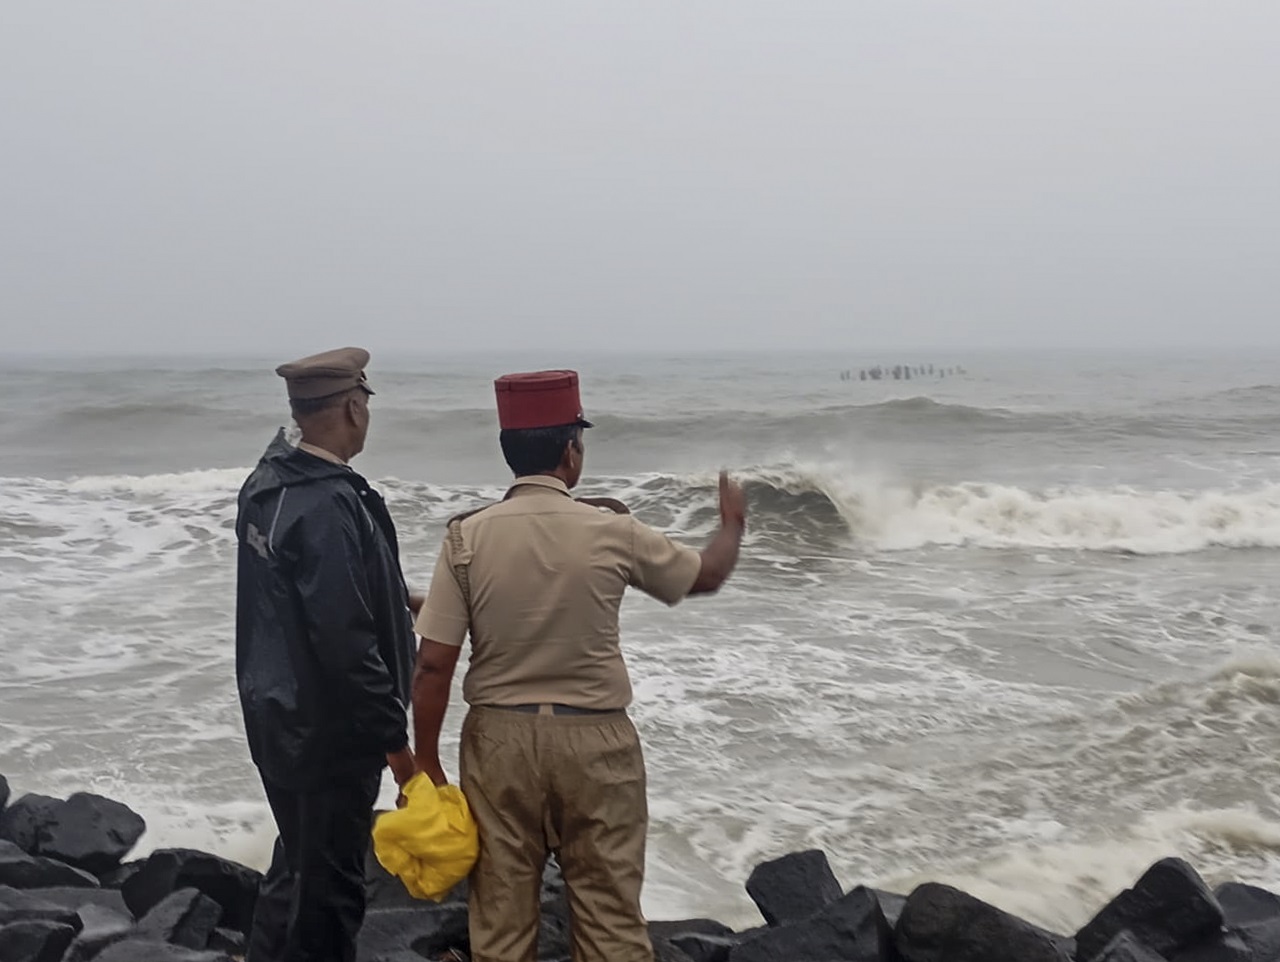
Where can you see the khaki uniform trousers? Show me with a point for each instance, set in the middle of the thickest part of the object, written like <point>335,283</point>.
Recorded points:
<point>569,784</point>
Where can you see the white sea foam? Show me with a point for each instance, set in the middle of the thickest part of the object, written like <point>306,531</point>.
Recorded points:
<point>999,719</point>
<point>892,515</point>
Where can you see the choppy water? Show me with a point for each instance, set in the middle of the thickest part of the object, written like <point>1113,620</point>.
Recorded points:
<point>1013,629</point>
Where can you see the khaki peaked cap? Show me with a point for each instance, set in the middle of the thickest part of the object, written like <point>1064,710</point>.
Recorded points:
<point>321,375</point>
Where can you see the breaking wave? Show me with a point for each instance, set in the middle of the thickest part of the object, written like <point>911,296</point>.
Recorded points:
<point>896,516</point>
<point>797,503</point>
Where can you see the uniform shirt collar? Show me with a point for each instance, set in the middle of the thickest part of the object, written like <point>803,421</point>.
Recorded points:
<point>532,481</point>
<point>316,451</point>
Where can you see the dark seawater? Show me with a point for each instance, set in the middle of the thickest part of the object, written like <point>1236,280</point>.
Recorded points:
<point>1013,628</point>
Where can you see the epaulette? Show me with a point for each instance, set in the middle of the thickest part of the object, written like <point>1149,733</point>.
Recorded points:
<point>467,514</point>
<point>609,504</point>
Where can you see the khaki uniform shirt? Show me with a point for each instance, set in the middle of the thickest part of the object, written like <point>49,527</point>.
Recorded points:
<point>547,575</point>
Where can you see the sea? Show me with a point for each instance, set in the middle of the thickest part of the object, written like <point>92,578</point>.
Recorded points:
<point>1009,624</point>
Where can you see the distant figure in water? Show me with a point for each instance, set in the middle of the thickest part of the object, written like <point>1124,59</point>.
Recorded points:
<point>324,660</point>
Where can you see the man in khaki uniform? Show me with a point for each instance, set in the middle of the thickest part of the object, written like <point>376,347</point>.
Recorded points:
<point>550,761</point>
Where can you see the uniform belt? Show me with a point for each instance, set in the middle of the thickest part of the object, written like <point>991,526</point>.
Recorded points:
<point>544,709</point>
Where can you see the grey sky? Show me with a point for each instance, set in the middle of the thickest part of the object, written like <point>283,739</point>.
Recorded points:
<point>723,175</point>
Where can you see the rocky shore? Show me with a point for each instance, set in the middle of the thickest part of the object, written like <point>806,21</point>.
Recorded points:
<point>67,894</point>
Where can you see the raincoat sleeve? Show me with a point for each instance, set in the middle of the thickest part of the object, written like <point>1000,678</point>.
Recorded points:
<point>332,582</point>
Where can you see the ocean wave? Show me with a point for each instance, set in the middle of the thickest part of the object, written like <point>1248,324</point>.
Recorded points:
<point>790,503</point>
<point>893,516</point>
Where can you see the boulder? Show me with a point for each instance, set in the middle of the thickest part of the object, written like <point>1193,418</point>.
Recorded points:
<point>852,928</point>
<point>1244,904</point>
<point>23,871</point>
<point>400,933</point>
<point>21,822</point>
<point>1125,947</point>
<point>232,886</point>
<point>555,929</point>
<point>1168,909</point>
<point>19,906</point>
<point>77,898</point>
<point>142,950</point>
<point>90,832</point>
<point>36,941</point>
<point>943,923</point>
<point>552,881</point>
<point>671,930</point>
<point>702,940</point>
<point>1222,947</point>
<point>4,792</point>
<point>229,941</point>
<point>664,951</point>
<point>891,904</point>
<point>705,948</point>
<point>115,878</point>
<point>186,918</point>
<point>101,927</point>
<point>794,887</point>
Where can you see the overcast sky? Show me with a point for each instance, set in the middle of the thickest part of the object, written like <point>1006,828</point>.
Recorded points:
<point>738,174</point>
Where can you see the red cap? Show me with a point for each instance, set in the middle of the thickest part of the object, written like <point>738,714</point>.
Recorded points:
<point>541,399</point>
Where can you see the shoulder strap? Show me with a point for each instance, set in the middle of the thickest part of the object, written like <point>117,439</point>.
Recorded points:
<point>609,504</point>
<point>460,569</point>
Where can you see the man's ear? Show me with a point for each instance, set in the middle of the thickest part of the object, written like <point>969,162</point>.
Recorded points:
<point>353,409</point>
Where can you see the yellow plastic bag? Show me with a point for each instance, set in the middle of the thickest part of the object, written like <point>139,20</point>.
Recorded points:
<point>430,844</point>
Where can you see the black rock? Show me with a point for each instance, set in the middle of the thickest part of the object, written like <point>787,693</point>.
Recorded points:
<point>382,890</point>
<point>19,906</point>
<point>552,881</point>
<point>142,950</point>
<point>1262,939</point>
<point>942,923</point>
<point>793,887</point>
<point>554,929</point>
<point>116,877</point>
<point>23,871</point>
<point>21,822</point>
<point>671,930</point>
<point>1125,947</point>
<point>90,832</point>
<point>1223,947</point>
<point>9,849</point>
<point>400,933</point>
<point>1168,909</point>
<point>186,918</point>
<point>891,904</point>
<point>664,951</point>
<point>706,948</point>
<point>77,898</point>
<point>231,885</point>
<point>852,928</point>
<point>101,927</point>
<point>228,940</point>
<point>4,792</point>
<point>35,941</point>
<point>1243,904</point>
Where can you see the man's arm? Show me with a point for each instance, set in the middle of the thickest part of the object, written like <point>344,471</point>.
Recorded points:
<point>432,678</point>
<point>721,556</point>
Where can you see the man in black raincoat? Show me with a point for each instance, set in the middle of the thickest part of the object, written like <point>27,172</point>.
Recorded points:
<point>324,660</point>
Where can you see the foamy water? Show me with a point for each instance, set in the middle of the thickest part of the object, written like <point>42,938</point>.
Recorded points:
<point>983,636</point>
